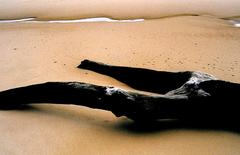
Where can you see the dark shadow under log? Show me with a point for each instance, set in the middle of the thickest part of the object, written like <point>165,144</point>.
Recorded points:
<point>196,96</point>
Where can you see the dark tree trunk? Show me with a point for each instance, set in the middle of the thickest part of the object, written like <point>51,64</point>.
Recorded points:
<point>186,95</point>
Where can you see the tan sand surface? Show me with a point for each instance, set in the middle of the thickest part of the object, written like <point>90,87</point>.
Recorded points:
<point>39,52</point>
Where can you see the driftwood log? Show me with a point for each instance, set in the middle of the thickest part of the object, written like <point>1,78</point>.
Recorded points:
<point>181,95</point>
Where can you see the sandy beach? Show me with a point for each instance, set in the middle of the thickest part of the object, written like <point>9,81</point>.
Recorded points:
<point>35,52</point>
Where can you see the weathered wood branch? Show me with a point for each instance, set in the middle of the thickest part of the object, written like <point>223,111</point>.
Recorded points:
<point>120,102</point>
<point>195,96</point>
<point>140,78</point>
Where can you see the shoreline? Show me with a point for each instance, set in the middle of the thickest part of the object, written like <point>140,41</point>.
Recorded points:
<point>56,9</point>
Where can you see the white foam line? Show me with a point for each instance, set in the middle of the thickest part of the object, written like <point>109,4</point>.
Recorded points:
<point>17,20</point>
<point>100,19</point>
<point>236,23</point>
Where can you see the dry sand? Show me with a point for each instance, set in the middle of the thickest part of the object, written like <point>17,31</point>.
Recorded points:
<point>40,52</point>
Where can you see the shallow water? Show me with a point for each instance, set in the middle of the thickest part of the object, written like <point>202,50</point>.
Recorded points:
<point>235,23</point>
<point>62,9</point>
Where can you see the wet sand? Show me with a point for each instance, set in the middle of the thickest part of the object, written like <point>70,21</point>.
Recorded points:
<point>39,52</point>
<point>124,9</point>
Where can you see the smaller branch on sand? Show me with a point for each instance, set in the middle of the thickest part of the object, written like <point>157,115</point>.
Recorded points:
<point>182,95</point>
